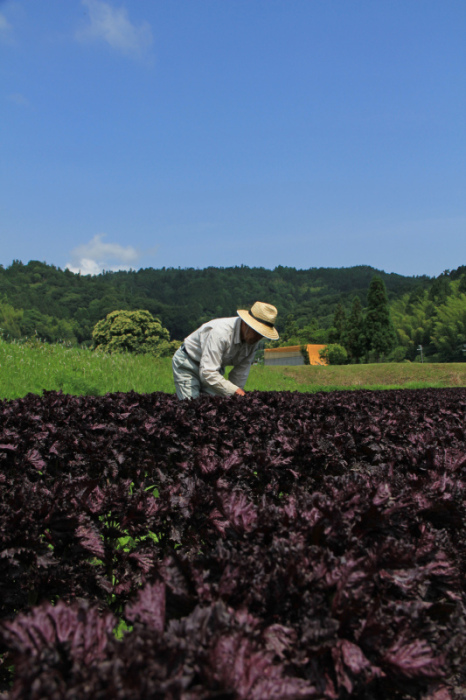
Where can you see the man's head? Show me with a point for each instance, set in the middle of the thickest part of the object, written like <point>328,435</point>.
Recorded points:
<point>249,335</point>
<point>260,319</point>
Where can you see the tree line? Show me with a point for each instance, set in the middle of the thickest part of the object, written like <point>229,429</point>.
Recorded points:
<point>317,305</point>
<point>427,323</point>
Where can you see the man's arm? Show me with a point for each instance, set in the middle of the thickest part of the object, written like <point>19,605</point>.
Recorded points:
<point>212,361</point>
<point>240,372</point>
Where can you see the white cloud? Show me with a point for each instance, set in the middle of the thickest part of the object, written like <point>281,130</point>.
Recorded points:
<point>6,30</point>
<point>113,26</point>
<point>96,256</point>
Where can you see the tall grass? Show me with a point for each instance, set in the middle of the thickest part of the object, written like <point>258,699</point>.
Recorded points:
<point>34,367</point>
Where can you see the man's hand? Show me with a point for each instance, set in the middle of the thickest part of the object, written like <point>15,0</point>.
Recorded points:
<point>240,392</point>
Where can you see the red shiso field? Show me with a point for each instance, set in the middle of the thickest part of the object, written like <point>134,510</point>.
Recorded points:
<point>274,546</point>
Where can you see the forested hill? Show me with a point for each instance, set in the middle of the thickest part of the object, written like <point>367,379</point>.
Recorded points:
<point>58,304</point>
<point>40,300</point>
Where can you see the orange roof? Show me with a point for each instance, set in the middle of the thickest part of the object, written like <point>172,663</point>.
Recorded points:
<point>290,348</point>
<point>293,350</point>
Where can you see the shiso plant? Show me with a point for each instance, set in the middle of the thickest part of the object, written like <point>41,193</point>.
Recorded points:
<point>275,546</point>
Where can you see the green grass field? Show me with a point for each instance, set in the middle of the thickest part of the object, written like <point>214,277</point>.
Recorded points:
<point>374,376</point>
<point>35,367</point>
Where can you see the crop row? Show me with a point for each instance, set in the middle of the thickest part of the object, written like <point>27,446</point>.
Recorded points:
<point>276,545</point>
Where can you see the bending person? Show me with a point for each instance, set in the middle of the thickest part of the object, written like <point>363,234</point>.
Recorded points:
<point>199,364</point>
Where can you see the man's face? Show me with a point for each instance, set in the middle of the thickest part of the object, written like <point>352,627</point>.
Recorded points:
<point>249,335</point>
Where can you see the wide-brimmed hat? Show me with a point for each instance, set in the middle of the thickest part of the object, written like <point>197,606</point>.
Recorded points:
<point>261,318</point>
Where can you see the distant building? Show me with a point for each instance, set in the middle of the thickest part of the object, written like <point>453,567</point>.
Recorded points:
<point>292,355</point>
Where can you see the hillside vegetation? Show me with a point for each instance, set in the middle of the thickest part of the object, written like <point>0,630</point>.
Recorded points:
<point>61,305</point>
<point>42,300</point>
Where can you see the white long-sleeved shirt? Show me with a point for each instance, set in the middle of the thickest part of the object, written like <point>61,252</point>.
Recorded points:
<point>216,344</point>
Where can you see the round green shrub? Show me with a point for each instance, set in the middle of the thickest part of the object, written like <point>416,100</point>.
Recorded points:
<point>133,331</point>
<point>334,354</point>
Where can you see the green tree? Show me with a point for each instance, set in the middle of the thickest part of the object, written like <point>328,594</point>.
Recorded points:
<point>449,334</point>
<point>339,325</point>
<point>378,327</point>
<point>354,339</point>
<point>441,288</point>
<point>398,354</point>
<point>291,329</point>
<point>414,323</point>
<point>133,331</point>
<point>10,320</point>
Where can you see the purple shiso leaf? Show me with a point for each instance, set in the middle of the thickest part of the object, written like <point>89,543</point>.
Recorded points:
<point>55,448</point>
<point>405,579</point>
<point>95,500</point>
<point>176,577</point>
<point>383,494</point>
<point>442,567</point>
<point>207,461</point>
<point>236,664</point>
<point>408,579</point>
<point>90,540</point>
<point>438,693</point>
<point>350,663</point>
<point>414,659</point>
<point>241,513</point>
<point>93,630</point>
<point>279,638</point>
<point>85,629</point>
<point>144,560</point>
<point>35,458</point>
<point>234,459</point>
<point>7,447</point>
<point>149,607</point>
<point>229,580</point>
<point>282,688</point>
<point>219,522</point>
<point>290,508</point>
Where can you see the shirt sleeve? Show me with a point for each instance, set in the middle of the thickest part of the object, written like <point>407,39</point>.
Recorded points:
<point>240,372</point>
<point>211,365</point>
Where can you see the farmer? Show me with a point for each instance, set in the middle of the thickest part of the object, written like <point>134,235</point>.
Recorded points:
<point>199,364</point>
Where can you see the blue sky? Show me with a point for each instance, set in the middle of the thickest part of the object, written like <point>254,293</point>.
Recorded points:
<point>190,133</point>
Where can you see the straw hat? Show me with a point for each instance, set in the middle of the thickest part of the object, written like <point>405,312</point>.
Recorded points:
<point>261,318</point>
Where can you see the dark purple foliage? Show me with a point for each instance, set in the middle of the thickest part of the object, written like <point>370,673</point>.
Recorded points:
<point>275,546</point>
